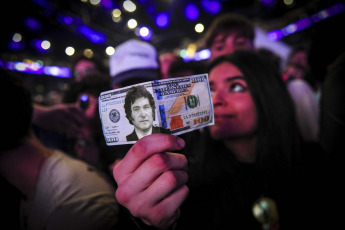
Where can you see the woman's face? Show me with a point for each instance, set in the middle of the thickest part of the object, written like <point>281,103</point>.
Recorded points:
<point>234,108</point>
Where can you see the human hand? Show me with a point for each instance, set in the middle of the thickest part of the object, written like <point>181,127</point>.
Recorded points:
<point>152,182</point>
<point>66,118</point>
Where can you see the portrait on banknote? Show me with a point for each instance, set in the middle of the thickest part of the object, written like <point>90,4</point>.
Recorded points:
<point>140,111</point>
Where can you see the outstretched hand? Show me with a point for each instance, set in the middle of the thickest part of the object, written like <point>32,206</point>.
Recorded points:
<point>151,181</point>
<point>66,118</point>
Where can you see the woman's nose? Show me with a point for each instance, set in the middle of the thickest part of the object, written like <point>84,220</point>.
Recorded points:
<point>217,98</point>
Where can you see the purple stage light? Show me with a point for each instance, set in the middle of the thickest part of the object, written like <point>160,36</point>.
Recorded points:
<point>32,23</point>
<point>65,19</point>
<point>306,22</point>
<point>211,6</point>
<point>107,4</point>
<point>162,20</point>
<point>16,45</point>
<point>191,12</point>
<point>94,36</point>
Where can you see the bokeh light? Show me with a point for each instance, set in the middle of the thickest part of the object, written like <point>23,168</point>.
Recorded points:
<point>129,6</point>
<point>211,6</point>
<point>17,37</point>
<point>110,50</point>
<point>199,28</point>
<point>145,33</point>
<point>162,20</point>
<point>191,12</point>
<point>69,50</point>
<point>88,53</point>
<point>132,23</point>
<point>45,45</point>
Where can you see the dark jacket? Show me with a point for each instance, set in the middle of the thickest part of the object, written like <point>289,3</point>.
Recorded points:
<point>133,136</point>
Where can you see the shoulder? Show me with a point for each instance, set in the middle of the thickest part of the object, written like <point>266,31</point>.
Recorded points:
<point>160,130</point>
<point>85,214</point>
<point>132,137</point>
<point>66,173</point>
<point>65,187</point>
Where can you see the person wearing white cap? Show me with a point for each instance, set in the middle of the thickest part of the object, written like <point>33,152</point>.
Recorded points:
<point>134,62</point>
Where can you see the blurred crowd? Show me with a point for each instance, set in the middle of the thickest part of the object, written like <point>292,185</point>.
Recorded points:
<point>271,161</point>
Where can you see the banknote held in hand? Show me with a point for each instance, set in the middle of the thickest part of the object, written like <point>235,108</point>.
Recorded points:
<point>174,106</point>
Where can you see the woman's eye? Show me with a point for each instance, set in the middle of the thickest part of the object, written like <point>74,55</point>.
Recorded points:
<point>237,87</point>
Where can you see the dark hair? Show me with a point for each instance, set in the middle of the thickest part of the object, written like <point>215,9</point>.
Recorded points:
<point>133,94</point>
<point>278,136</point>
<point>228,23</point>
<point>94,59</point>
<point>179,67</point>
<point>17,110</point>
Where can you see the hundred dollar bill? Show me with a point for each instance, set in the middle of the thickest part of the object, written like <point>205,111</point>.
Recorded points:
<point>174,106</point>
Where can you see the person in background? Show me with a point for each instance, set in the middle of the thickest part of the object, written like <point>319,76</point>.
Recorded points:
<point>68,118</point>
<point>332,125</point>
<point>297,64</point>
<point>57,191</point>
<point>89,143</point>
<point>326,60</point>
<point>82,66</point>
<point>181,68</point>
<point>134,62</point>
<point>296,74</point>
<point>270,55</point>
<point>332,108</point>
<point>229,32</point>
<point>165,61</point>
<point>252,153</point>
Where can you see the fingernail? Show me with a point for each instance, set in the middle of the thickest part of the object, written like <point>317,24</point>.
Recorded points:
<point>180,142</point>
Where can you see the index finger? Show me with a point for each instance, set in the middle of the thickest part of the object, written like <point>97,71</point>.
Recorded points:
<point>145,148</point>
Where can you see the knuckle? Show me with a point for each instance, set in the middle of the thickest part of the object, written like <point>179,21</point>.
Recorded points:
<point>170,140</point>
<point>185,191</point>
<point>122,196</point>
<point>116,174</point>
<point>160,160</point>
<point>184,161</point>
<point>139,148</point>
<point>137,207</point>
<point>158,217</point>
<point>162,217</point>
<point>184,176</point>
<point>170,178</point>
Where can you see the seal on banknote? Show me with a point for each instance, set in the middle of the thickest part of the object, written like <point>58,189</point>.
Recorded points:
<point>114,115</point>
<point>192,101</point>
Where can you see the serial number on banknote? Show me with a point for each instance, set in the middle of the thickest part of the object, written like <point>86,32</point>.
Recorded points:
<point>174,106</point>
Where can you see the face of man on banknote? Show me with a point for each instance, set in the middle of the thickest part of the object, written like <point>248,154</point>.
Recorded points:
<point>140,111</point>
<point>142,118</point>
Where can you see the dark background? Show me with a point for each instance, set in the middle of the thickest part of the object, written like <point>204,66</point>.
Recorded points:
<point>177,35</point>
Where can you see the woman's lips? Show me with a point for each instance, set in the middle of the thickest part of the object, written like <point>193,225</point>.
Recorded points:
<point>223,117</point>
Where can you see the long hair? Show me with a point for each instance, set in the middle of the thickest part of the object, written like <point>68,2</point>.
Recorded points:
<point>278,136</point>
